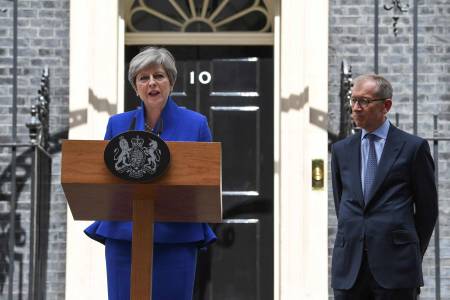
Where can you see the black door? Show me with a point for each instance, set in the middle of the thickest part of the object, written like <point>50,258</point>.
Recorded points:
<point>233,87</point>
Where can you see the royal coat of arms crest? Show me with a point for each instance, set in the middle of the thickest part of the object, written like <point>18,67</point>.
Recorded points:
<point>137,155</point>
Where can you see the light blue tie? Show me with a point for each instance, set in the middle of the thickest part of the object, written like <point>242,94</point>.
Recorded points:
<point>371,167</point>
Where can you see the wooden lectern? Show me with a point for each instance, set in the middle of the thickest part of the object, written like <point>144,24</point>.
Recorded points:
<point>189,191</point>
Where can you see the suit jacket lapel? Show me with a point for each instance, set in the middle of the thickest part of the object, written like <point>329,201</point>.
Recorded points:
<point>169,117</point>
<point>140,118</point>
<point>354,157</point>
<point>392,148</point>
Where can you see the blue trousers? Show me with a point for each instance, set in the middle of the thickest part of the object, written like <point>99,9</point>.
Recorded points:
<point>173,270</point>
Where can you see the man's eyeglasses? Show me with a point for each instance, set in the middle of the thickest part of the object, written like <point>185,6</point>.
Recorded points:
<point>363,102</point>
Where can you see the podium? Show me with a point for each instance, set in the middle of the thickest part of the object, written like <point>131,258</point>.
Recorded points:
<point>189,191</point>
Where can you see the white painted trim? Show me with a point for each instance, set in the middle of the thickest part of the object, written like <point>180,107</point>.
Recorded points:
<point>199,39</point>
<point>121,81</point>
<point>96,92</point>
<point>301,260</point>
<point>316,219</point>
<point>276,152</point>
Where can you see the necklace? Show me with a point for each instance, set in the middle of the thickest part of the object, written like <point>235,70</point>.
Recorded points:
<point>148,127</point>
<point>158,128</point>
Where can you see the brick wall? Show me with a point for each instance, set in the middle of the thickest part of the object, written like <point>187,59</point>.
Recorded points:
<point>351,37</point>
<point>43,40</point>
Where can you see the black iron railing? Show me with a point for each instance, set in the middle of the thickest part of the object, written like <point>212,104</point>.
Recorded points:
<point>33,163</point>
<point>346,126</point>
<point>28,161</point>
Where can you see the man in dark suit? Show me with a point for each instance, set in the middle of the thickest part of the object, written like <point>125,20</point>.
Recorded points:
<point>385,199</point>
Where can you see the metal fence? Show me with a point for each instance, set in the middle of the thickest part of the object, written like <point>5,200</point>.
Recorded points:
<point>30,166</point>
<point>35,164</point>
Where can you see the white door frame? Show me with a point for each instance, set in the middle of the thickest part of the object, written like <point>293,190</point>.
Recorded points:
<point>300,40</point>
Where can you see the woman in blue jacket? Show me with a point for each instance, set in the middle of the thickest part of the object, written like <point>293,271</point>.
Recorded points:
<point>152,73</point>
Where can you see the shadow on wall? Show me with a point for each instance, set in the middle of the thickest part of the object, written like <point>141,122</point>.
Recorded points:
<point>24,164</point>
<point>316,117</point>
<point>4,248</point>
<point>101,104</point>
<point>295,102</point>
<point>80,117</point>
<point>76,118</point>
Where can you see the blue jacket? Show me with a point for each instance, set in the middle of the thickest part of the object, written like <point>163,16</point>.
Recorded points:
<point>396,223</point>
<point>178,124</point>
